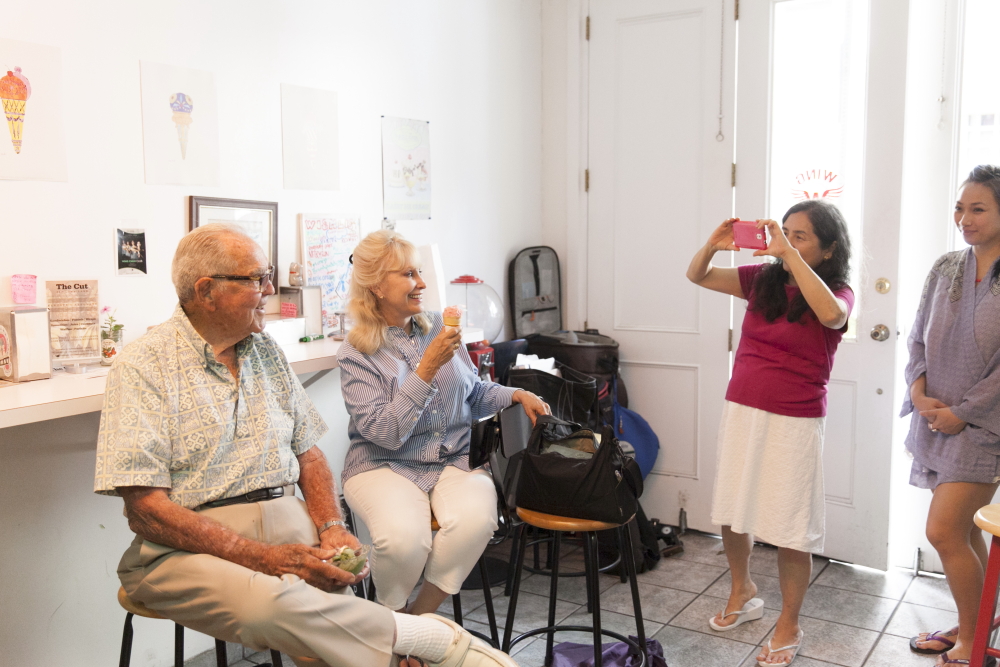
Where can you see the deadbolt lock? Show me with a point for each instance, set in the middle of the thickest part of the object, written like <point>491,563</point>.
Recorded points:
<point>882,285</point>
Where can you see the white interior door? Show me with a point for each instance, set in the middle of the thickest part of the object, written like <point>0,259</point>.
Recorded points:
<point>820,98</point>
<point>660,181</point>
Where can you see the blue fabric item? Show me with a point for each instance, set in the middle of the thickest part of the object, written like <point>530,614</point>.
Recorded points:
<point>568,654</point>
<point>636,431</point>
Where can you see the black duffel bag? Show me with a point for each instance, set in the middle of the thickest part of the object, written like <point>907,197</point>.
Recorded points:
<point>574,476</point>
<point>572,397</point>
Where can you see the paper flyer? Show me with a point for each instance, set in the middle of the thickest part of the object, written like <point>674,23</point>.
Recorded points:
<point>406,169</point>
<point>130,249</point>
<point>74,327</point>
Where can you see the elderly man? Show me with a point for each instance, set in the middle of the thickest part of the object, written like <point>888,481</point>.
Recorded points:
<point>204,433</point>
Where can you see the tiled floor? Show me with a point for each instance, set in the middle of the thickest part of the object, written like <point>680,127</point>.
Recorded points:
<point>852,617</point>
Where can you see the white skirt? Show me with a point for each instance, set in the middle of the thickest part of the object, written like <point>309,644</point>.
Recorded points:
<point>769,477</point>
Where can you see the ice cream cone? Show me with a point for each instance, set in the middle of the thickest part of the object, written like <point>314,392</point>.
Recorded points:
<point>452,316</point>
<point>182,121</point>
<point>182,105</point>
<point>14,92</point>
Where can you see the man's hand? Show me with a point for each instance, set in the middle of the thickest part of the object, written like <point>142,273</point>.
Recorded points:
<point>944,420</point>
<point>308,564</point>
<point>336,537</point>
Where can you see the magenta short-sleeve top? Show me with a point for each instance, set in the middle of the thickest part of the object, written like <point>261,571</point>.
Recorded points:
<point>783,367</point>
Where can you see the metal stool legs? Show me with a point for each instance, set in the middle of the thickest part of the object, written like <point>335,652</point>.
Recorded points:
<point>125,657</point>
<point>987,608</point>
<point>592,578</point>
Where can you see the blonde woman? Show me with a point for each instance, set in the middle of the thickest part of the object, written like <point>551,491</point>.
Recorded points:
<point>412,393</point>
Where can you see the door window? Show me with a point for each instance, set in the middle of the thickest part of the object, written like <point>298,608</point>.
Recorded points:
<point>819,77</point>
<point>979,102</point>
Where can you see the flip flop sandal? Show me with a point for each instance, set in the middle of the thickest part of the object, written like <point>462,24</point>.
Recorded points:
<point>989,662</point>
<point>751,611</point>
<point>937,636</point>
<point>794,648</point>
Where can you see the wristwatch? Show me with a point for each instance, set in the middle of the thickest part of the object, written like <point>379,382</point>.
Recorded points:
<point>330,524</point>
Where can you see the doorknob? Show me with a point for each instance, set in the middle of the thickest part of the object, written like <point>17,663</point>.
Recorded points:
<point>880,332</point>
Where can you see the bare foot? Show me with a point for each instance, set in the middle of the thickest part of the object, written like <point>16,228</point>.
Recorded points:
<point>737,600</point>
<point>779,640</point>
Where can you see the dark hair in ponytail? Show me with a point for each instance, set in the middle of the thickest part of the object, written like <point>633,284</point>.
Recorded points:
<point>988,175</point>
<point>828,224</point>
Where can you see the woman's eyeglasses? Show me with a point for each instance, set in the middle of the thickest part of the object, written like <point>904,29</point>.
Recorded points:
<point>260,282</point>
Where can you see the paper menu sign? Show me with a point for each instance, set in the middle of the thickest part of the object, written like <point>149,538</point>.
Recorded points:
<point>23,287</point>
<point>74,328</point>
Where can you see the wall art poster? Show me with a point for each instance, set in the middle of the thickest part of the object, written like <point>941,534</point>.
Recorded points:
<point>327,244</point>
<point>33,147</point>
<point>130,249</point>
<point>180,126</point>
<point>406,169</point>
<point>74,330</point>
<point>310,147</point>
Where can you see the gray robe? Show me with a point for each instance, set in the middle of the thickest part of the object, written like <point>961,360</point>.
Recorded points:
<point>956,342</point>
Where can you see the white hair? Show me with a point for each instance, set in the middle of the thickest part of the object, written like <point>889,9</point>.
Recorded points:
<point>205,251</point>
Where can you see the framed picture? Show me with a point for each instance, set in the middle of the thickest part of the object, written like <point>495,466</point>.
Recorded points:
<point>259,219</point>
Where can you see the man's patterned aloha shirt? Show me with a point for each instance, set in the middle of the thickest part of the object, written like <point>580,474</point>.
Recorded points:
<point>174,418</point>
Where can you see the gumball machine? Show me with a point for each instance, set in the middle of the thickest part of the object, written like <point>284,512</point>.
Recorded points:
<point>482,319</point>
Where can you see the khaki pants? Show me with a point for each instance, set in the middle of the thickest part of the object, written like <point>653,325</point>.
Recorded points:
<point>230,602</point>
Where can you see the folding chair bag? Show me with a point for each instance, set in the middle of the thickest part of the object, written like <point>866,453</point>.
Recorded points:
<point>535,289</point>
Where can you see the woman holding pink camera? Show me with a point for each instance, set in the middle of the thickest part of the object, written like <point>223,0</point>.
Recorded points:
<point>954,378</point>
<point>769,477</point>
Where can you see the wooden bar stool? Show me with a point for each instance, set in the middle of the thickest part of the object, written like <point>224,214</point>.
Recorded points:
<point>560,525</point>
<point>987,518</point>
<point>138,609</point>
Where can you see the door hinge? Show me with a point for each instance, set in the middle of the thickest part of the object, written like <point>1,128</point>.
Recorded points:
<point>732,176</point>
<point>730,340</point>
<point>586,180</point>
<point>588,28</point>
<point>736,11</point>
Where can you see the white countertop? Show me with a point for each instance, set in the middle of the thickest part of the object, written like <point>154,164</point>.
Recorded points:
<point>66,394</point>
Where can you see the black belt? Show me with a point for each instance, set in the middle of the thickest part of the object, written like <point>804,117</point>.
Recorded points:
<point>252,497</point>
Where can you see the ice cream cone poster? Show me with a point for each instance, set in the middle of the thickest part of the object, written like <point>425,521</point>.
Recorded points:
<point>33,147</point>
<point>180,128</point>
<point>15,89</point>
<point>182,106</point>
<point>406,169</point>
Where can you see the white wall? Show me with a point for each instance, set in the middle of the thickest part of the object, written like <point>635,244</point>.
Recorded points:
<point>473,69</point>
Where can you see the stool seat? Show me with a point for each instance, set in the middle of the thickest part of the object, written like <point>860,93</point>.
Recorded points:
<point>988,518</point>
<point>133,607</point>
<point>564,524</point>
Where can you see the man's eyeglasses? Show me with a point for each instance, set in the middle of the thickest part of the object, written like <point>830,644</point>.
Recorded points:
<point>260,282</point>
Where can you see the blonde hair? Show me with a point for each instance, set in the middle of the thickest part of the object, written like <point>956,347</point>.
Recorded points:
<point>205,251</point>
<point>376,256</point>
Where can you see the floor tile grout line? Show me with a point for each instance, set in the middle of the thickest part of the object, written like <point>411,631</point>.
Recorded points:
<point>881,633</point>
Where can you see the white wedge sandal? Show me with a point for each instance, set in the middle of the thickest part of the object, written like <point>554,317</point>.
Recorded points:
<point>751,611</point>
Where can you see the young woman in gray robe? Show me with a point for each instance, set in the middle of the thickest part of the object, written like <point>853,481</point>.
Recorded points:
<point>954,379</point>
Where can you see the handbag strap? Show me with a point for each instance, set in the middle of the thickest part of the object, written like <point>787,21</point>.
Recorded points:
<point>542,422</point>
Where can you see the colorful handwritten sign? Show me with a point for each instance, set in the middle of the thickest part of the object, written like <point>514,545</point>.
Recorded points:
<point>327,244</point>
<point>23,287</point>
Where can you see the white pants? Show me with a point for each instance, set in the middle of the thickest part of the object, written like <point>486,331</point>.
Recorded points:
<point>398,516</point>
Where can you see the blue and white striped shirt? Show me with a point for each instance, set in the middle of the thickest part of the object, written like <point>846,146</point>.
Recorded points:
<point>399,421</point>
